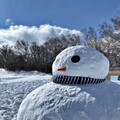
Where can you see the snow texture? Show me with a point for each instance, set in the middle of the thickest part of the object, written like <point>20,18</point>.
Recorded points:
<point>92,63</point>
<point>11,77</point>
<point>14,87</point>
<point>79,102</point>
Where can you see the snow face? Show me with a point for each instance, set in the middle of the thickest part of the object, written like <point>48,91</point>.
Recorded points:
<point>62,102</point>
<point>88,63</point>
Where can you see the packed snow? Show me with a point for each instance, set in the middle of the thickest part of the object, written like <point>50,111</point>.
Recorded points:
<point>74,102</point>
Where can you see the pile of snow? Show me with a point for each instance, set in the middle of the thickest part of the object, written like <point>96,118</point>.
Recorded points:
<point>35,34</point>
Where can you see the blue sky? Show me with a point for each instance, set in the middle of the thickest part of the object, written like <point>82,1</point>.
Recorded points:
<point>72,14</point>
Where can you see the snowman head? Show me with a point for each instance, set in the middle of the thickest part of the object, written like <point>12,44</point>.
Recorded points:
<point>81,61</point>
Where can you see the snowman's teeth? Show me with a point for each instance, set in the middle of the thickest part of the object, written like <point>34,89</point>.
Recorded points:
<point>62,79</point>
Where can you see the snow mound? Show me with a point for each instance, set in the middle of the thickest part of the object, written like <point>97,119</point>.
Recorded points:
<point>77,102</point>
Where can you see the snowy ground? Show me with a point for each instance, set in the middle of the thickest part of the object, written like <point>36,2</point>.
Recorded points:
<point>14,86</point>
<point>13,89</point>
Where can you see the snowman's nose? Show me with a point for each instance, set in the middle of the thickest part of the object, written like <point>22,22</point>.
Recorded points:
<point>63,69</point>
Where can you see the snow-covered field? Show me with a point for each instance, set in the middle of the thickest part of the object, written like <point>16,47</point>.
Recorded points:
<point>14,86</point>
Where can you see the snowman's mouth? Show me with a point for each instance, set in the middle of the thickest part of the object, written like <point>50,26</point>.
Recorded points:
<point>63,79</point>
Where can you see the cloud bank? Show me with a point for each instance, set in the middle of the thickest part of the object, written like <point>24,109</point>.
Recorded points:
<point>34,34</point>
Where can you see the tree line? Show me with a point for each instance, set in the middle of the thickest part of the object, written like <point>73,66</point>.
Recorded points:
<point>28,57</point>
<point>25,56</point>
<point>106,40</point>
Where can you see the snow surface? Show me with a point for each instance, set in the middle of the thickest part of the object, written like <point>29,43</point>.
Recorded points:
<point>79,102</point>
<point>9,77</point>
<point>14,87</point>
<point>92,63</point>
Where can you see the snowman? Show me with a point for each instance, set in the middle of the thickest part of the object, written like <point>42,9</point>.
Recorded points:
<point>78,90</point>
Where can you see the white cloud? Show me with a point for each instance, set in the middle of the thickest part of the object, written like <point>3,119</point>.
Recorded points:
<point>9,22</point>
<point>34,34</point>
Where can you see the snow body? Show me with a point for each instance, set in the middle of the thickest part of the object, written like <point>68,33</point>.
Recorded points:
<point>77,102</point>
<point>92,63</point>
